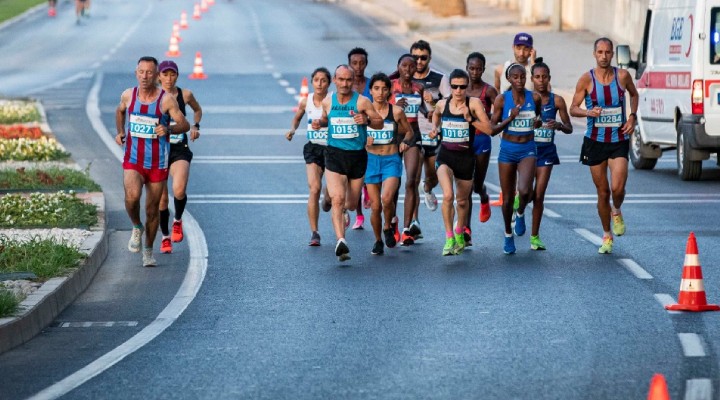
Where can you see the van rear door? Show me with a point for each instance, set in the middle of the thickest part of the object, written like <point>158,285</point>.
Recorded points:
<point>711,68</point>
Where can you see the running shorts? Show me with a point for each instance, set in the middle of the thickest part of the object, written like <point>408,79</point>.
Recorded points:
<point>513,153</point>
<point>482,144</point>
<point>351,163</point>
<point>381,167</point>
<point>462,163</point>
<point>314,154</point>
<point>594,153</point>
<point>151,175</point>
<point>547,155</point>
<point>180,152</point>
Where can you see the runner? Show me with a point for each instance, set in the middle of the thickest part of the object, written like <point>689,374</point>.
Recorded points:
<point>523,54</point>
<point>143,113</point>
<point>358,61</point>
<point>408,95</point>
<point>79,10</point>
<point>180,157</point>
<point>516,161</point>
<point>545,142</point>
<point>314,149</point>
<point>347,115</point>
<point>52,11</point>
<point>384,166</point>
<point>482,145</point>
<point>606,142</point>
<point>457,119</point>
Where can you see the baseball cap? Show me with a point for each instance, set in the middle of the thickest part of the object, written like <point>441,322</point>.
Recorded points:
<point>523,39</point>
<point>168,65</point>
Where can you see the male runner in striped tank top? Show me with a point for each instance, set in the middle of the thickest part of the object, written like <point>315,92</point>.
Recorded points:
<point>143,114</point>
<point>606,143</point>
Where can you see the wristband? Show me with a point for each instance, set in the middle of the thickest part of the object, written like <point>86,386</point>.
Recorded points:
<point>197,125</point>
<point>633,115</point>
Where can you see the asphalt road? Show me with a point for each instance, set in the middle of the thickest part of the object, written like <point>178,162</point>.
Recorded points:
<point>275,318</point>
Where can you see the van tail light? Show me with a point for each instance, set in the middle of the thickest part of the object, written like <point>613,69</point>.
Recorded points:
<point>697,97</point>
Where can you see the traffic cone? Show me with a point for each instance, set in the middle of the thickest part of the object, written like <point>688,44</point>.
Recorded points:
<point>498,202</point>
<point>176,31</point>
<point>692,290</point>
<point>183,20</point>
<point>198,68</point>
<point>196,12</point>
<point>303,93</point>
<point>173,49</point>
<point>203,6</point>
<point>211,2</point>
<point>658,388</point>
<point>52,12</point>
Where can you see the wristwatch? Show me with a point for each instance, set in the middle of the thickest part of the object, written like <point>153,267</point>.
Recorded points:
<point>197,125</point>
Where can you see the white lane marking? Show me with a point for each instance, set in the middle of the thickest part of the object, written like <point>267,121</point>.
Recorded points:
<point>255,109</point>
<point>550,213</point>
<point>666,300</point>
<point>291,91</point>
<point>634,268</point>
<point>269,66</point>
<point>635,195</point>
<point>107,324</point>
<point>276,75</point>
<point>248,158</point>
<point>643,201</point>
<point>698,389</point>
<point>692,344</point>
<point>194,277</point>
<point>547,212</point>
<point>283,82</point>
<point>590,237</point>
<point>249,132</point>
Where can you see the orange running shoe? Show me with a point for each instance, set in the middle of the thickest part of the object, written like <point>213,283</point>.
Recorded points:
<point>485,212</point>
<point>166,245</point>
<point>177,232</point>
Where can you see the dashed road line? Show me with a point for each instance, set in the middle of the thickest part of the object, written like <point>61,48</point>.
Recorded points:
<point>692,345</point>
<point>635,268</point>
<point>698,389</point>
<point>589,236</point>
<point>665,300</point>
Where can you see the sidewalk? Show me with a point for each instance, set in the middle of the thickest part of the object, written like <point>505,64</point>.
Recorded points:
<point>486,29</point>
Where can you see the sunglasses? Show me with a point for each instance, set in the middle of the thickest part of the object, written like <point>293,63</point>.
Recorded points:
<point>458,87</point>
<point>423,57</point>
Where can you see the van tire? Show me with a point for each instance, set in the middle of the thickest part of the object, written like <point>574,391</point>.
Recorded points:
<point>688,170</point>
<point>636,158</point>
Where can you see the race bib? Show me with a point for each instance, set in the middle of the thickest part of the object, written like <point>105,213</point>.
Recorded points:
<point>523,122</point>
<point>176,138</point>
<point>426,141</point>
<point>544,135</point>
<point>143,126</point>
<point>343,128</point>
<point>455,130</point>
<point>384,135</point>
<point>611,117</point>
<point>317,137</point>
<point>413,104</point>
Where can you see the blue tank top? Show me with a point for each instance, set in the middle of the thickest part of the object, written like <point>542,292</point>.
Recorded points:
<point>545,136</point>
<point>523,123</point>
<point>343,132</point>
<point>606,127</point>
<point>388,133</point>
<point>457,133</point>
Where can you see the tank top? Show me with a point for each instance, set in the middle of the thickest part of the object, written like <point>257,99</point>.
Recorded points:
<point>457,133</point>
<point>505,84</point>
<point>388,133</point>
<point>523,123</point>
<point>343,132</point>
<point>414,100</point>
<point>313,112</point>
<point>179,138</point>
<point>143,147</point>
<point>606,127</point>
<point>545,136</point>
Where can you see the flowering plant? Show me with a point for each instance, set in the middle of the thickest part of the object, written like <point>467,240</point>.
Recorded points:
<point>14,111</point>
<point>20,131</point>
<point>43,149</point>
<point>60,209</point>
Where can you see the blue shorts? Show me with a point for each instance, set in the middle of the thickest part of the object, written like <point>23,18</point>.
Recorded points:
<point>482,144</point>
<point>513,153</point>
<point>380,168</point>
<point>547,155</point>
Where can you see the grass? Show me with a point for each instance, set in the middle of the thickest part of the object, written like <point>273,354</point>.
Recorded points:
<point>47,179</point>
<point>52,210</point>
<point>12,8</point>
<point>8,303</point>
<point>44,257</point>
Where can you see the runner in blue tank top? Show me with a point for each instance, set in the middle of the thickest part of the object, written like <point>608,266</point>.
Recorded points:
<point>347,115</point>
<point>545,142</point>
<point>606,145</point>
<point>516,160</point>
<point>358,61</point>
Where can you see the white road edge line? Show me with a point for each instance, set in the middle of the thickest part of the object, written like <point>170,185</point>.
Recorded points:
<point>692,344</point>
<point>665,300</point>
<point>698,389</point>
<point>194,277</point>
<point>635,268</point>
<point>589,236</point>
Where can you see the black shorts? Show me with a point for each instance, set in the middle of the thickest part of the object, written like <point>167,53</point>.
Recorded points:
<point>594,153</point>
<point>430,151</point>
<point>314,154</point>
<point>462,163</point>
<point>351,163</point>
<point>180,152</point>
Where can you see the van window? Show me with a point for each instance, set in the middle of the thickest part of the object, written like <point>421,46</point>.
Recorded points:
<point>715,35</point>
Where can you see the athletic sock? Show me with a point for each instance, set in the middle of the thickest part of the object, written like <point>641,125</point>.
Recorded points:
<point>164,220</point>
<point>449,234</point>
<point>179,207</point>
<point>458,229</point>
<point>138,226</point>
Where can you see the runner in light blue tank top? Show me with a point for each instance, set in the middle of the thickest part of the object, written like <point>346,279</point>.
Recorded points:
<point>343,132</point>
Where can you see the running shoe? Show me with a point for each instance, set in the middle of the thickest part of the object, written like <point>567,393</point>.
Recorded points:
<point>467,234</point>
<point>406,238</point>
<point>509,247</point>
<point>366,199</point>
<point>342,251</point>
<point>449,248</point>
<point>359,221</point>
<point>485,212</point>
<point>378,248</point>
<point>430,199</point>
<point>166,245</point>
<point>536,243</point>
<point>346,217</point>
<point>459,243</point>
<point>135,238</point>
<point>519,225</point>
<point>607,244</point>
<point>177,232</point>
<point>148,259</point>
<point>618,224</point>
<point>314,239</point>
<point>415,229</point>
<point>516,202</point>
<point>390,237</point>
<point>396,231</point>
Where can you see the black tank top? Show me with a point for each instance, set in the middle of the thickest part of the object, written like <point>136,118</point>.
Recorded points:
<point>181,104</point>
<point>452,133</point>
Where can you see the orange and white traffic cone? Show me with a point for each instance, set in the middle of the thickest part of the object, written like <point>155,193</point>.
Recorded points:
<point>173,49</point>
<point>176,31</point>
<point>198,68</point>
<point>196,12</point>
<point>498,202</point>
<point>304,91</point>
<point>203,6</point>
<point>183,20</point>
<point>692,289</point>
<point>658,388</point>
<point>211,2</point>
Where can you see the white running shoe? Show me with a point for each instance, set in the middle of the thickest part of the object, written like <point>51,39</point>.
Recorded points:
<point>430,199</point>
<point>148,259</point>
<point>135,238</point>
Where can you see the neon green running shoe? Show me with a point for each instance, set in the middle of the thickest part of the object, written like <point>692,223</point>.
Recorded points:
<point>516,203</point>
<point>618,224</point>
<point>459,243</point>
<point>449,247</point>
<point>536,243</point>
<point>606,247</point>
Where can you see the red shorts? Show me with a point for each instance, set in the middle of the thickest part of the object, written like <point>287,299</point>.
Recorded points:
<point>149,175</point>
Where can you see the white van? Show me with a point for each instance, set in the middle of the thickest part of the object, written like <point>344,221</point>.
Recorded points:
<point>678,80</point>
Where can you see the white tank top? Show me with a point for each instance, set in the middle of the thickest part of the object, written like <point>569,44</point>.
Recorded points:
<point>505,84</point>
<point>313,112</point>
